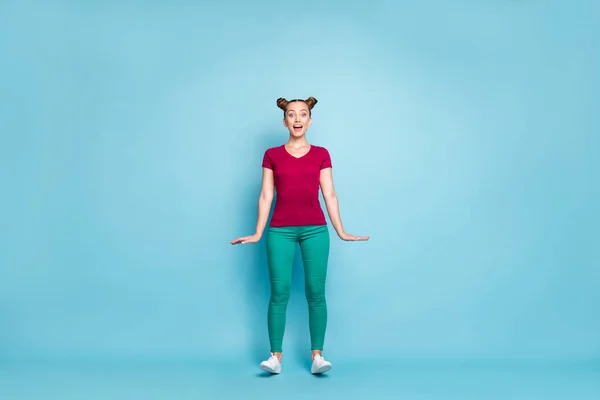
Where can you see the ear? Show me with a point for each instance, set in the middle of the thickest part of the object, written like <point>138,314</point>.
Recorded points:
<point>284,122</point>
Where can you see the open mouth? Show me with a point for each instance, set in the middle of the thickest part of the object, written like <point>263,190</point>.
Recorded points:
<point>297,128</point>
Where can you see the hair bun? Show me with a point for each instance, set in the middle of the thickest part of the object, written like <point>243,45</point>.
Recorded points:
<point>282,103</point>
<point>311,101</point>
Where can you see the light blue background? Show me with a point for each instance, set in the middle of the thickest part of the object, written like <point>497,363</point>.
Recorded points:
<point>464,137</point>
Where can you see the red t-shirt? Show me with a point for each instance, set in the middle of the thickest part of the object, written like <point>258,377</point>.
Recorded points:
<point>297,185</point>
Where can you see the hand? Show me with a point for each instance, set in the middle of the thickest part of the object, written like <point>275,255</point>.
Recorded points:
<point>351,238</point>
<point>246,239</point>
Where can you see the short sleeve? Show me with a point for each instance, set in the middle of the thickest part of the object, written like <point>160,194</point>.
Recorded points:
<point>267,163</point>
<point>326,159</point>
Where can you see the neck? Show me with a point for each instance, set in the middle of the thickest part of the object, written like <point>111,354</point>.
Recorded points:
<point>297,142</point>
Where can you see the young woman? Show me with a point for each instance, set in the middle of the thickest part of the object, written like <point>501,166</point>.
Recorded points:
<point>296,171</point>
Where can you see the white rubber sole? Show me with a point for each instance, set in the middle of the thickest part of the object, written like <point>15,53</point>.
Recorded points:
<point>321,369</point>
<point>266,368</point>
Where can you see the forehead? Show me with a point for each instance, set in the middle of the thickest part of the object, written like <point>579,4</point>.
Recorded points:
<point>297,106</point>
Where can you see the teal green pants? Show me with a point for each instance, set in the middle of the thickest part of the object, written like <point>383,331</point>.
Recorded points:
<point>314,247</point>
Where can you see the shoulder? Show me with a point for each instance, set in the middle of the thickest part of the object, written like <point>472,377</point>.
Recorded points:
<point>272,157</point>
<point>274,150</point>
<point>320,149</point>
<point>321,154</point>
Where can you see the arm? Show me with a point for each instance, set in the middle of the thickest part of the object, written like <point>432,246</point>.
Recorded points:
<point>332,204</point>
<point>264,201</point>
<point>331,200</point>
<point>264,206</point>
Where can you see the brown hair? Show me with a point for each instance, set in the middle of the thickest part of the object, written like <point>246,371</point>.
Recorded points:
<point>283,103</point>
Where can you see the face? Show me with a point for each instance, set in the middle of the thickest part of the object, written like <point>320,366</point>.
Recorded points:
<point>297,118</point>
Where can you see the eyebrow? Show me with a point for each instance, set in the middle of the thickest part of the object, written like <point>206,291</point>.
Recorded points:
<point>302,109</point>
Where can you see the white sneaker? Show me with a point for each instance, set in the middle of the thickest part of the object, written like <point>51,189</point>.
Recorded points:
<point>271,365</point>
<point>319,365</point>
